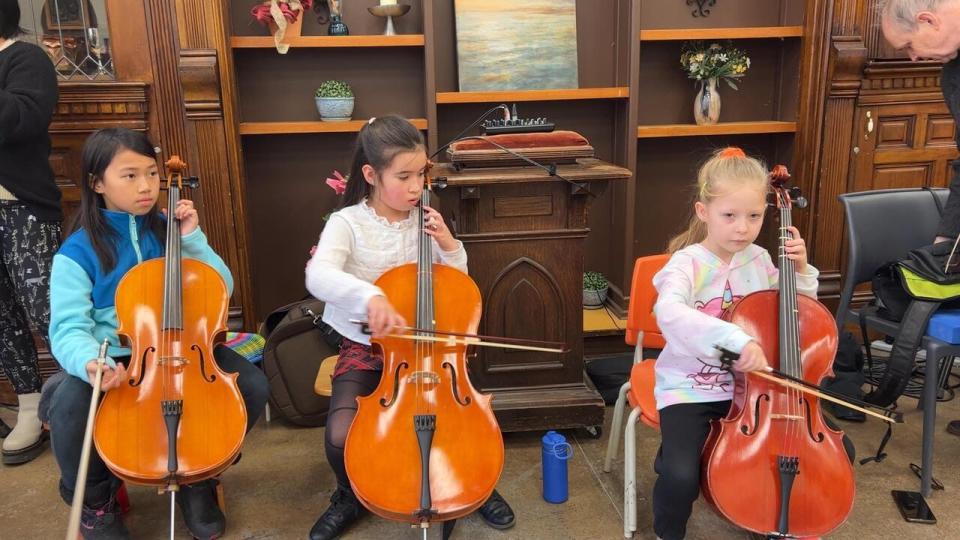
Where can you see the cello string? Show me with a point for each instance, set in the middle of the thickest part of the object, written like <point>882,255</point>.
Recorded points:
<point>421,305</point>
<point>788,288</point>
<point>794,337</point>
<point>786,303</point>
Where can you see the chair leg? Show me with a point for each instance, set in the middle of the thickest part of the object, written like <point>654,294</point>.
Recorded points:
<point>266,411</point>
<point>630,474</point>
<point>613,443</point>
<point>929,419</point>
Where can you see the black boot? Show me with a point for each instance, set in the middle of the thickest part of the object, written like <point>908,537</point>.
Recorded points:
<point>497,513</point>
<point>203,516</point>
<point>343,511</point>
<point>102,522</point>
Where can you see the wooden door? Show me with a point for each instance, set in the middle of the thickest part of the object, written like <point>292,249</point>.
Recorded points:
<point>902,145</point>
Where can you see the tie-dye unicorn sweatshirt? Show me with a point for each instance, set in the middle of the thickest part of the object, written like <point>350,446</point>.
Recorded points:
<point>695,287</point>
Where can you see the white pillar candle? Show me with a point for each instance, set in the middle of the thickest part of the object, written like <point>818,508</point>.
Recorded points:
<point>388,2</point>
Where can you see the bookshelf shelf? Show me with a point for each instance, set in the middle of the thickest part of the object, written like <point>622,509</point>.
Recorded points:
<point>723,128</point>
<point>749,32</point>
<point>290,128</point>
<point>266,42</point>
<point>617,92</point>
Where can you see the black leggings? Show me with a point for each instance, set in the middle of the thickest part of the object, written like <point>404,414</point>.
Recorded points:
<point>343,407</point>
<point>684,429</point>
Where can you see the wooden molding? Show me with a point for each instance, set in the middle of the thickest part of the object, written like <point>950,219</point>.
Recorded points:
<point>86,107</point>
<point>902,76</point>
<point>201,84</point>
<point>847,59</point>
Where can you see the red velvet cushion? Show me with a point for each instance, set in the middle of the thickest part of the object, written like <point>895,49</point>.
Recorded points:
<point>553,139</point>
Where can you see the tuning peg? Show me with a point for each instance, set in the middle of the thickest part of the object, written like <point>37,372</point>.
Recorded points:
<point>800,202</point>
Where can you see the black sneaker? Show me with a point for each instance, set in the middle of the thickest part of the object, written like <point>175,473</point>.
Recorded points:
<point>203,516</point>
<point>103,522</point>
<point>953,427</point>
<point>497,513</point>
<point>343,511</point>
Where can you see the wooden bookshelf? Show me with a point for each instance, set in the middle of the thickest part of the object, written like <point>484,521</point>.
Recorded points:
<point>291,128</point>
<point>266,42</point>
<point>722,128</point>
<point>749,32</point>
<point>617,92</point>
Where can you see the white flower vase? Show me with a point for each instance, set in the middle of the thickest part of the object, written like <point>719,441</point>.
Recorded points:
<point>706,107</point>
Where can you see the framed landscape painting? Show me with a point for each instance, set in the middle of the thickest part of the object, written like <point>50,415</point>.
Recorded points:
<point>516,44</point>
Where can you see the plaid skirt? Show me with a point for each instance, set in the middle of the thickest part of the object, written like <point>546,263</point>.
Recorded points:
<point>356,356</point>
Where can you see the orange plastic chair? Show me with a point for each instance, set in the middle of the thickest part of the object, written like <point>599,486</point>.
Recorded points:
<point>642,331</point>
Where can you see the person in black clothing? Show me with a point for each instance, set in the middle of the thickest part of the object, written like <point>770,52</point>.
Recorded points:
<point>930,30</point>
<point>29,223</point>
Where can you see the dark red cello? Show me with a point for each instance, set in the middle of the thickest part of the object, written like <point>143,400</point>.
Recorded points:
<point>772,465</point>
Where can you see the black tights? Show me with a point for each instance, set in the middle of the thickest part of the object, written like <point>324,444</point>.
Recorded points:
<point>343,407</point>
<point>684,429</point>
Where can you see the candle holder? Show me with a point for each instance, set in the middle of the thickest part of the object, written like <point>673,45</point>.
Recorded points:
<point>389,11</point>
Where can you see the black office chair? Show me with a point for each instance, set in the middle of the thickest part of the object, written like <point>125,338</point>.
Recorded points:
<point>884,226</point>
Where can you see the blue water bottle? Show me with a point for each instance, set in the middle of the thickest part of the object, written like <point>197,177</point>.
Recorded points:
<point>554,454</point>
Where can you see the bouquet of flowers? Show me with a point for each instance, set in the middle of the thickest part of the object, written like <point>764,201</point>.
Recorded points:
<point>702,62</point>
<point>290,9</point>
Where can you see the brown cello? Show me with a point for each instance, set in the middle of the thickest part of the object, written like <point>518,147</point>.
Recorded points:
<point>178,419</point>
<point>425,445</point>
<point>773,466</point>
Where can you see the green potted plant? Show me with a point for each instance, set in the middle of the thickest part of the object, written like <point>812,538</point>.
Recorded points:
<point>594,290</point>
<point>334,101</point>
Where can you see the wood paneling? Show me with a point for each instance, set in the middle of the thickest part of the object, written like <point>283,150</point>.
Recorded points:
<point>900,153</point>
<point>203,64</point>
<point>82,109</point>
<point>886,126</point>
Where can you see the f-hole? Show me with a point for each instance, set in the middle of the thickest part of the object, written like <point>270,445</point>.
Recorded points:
<point>396,386</point>
<point>756,416</point>
<point>203,365</point>
<point>143,367</point>
<point>453,375</point>
<point>819,436</point>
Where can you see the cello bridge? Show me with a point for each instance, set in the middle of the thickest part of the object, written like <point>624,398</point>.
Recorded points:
<point>175,361</point>
<point>791,417</point>
<point>423,377</point>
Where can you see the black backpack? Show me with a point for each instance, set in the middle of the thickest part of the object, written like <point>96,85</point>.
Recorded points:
<point>297,343</point>
<point>910,291</point>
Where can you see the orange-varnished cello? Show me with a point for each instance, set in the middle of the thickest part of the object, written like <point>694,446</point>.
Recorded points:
<point>425,445</point>
<point>772,465</point>
<point>178,418</point>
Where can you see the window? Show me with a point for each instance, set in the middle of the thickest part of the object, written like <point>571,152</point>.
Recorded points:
<point>73,33</point>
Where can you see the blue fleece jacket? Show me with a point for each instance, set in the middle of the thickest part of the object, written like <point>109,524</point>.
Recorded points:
<point>82,311</point>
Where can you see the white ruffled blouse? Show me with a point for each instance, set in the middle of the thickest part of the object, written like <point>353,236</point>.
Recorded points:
<point>356,247</point>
